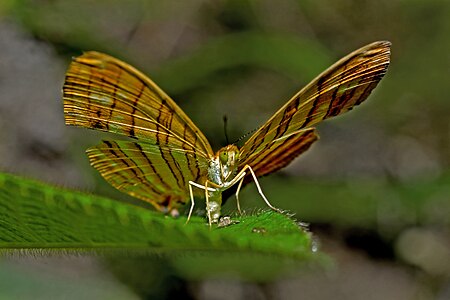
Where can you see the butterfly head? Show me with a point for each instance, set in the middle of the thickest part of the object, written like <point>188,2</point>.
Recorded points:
<point>228,158</point>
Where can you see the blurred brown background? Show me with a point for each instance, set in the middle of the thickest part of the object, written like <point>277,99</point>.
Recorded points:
<point>375,188</point>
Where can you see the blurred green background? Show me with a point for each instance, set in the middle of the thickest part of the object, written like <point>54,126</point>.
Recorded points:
<point>375,188</point>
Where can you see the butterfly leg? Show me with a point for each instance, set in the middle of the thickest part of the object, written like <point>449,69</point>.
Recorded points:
<point>191,194</point>
<point>237,192</point>
<point>260,190</point>
<point>208,211</point>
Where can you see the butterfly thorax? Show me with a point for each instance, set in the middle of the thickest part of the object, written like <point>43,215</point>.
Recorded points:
<point>221,171</point>
<point>223,167</point>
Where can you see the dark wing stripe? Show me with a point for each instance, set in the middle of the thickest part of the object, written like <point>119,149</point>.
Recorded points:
<point>134,107</point>
<point>333,107</point>
<point>191,162</point>
<point>167,161</point>
<point>315,103</point>
<point>114,153</point>
<point>287,117</point>
<point>167,155</point>
<point>109,144</point>
<point>113,106</point>
<point>149,163</point>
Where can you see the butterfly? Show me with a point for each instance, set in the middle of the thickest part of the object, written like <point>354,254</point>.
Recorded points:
<point>168,161</point>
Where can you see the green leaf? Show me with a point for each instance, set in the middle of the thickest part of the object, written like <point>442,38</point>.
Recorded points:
<point>38,216</point>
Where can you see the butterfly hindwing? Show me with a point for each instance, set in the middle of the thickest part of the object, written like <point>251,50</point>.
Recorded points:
<point>154,173</point>
<point>282,151</point>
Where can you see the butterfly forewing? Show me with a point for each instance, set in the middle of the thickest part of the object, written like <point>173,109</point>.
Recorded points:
<point>342,86</point>
<point>153,173</point>
<point>101,92</point>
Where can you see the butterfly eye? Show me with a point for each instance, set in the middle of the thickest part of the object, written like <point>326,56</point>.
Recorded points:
<point>223,156</point>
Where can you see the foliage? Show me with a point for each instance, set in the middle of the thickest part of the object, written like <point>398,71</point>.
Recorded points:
<point>41,218</point>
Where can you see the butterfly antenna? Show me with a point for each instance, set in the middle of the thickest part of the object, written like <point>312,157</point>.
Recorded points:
<point>245,135</point>
<point>225,125</point>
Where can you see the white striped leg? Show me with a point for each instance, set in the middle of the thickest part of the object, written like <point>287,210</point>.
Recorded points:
<point>241,177</point>
<point>191,194</point>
